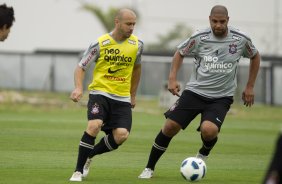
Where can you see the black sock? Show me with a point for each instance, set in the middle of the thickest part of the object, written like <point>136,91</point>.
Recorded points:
<point>158,148</point>
<point>106,144</point>
<point>207,146</point>
<point>85,146</point>
<point>274,172</point>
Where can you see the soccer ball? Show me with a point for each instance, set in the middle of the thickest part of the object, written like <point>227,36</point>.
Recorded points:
<point>193,169</point>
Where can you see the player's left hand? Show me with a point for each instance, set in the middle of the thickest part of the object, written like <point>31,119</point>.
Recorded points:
<point>133,102</point>
<point>248,97</point>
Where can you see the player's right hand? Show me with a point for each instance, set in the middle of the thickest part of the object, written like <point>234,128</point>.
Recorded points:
<point>76,94</point>
<point>174,88</point>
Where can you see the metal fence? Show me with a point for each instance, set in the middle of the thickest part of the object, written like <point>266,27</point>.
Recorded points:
<point>54,72</point>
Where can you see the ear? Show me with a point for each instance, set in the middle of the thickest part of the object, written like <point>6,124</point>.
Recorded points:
<point>116,21</point>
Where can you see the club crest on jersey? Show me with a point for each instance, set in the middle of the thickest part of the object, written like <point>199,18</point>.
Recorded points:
<point>232,48</point>
<point>95,109</point>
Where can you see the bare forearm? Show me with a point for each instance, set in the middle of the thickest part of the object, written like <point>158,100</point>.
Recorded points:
<point>79,74</point>
<point>176,63</point>
<point>248,95</point>
<point>78,83</point>
<point>173,85</point>
<point>254,68</point>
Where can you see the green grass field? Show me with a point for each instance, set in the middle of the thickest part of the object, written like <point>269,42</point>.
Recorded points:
<point>39,141</point>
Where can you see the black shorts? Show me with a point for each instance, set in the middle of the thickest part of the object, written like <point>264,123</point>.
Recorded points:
<point>190,104</point>
<point>113,113</point>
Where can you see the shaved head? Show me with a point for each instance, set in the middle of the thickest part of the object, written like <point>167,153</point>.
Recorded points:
<point>125,11</point>
<point>219,20</point>
<point>219,9</point>
<point>125,21</point>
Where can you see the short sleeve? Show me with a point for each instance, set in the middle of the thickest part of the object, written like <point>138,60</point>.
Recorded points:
<point>89,56</point>
<point>188,47</point>
<point>139,52</point>
<point>249,49</point>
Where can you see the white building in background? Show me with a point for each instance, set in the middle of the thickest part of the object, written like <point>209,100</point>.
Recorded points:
<point>61,25</point>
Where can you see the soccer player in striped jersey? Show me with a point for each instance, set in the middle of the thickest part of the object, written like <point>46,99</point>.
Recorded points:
<point>7,18</point>
<point>210,90</point>
<point>116,75</point>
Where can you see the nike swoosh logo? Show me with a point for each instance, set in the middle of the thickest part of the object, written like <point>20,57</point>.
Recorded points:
<point>114,71</point>
<point>218,120</point>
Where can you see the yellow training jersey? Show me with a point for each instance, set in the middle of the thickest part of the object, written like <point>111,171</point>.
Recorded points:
<point>113,69</point>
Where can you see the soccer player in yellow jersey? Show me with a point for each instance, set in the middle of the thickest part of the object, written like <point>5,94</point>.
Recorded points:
<point>6,21</point>
<point>116,75</point>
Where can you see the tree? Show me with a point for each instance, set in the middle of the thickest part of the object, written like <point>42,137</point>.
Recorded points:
<point>167,42</point>
<point>106,18</point>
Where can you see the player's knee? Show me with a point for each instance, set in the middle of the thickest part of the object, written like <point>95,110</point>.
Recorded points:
<point>209,130</point>
<point>171,128</point>
<point>93,127</point>
<point>120,135</point>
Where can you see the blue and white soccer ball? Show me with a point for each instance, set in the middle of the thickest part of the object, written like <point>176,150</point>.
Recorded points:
<point>193,169</point>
